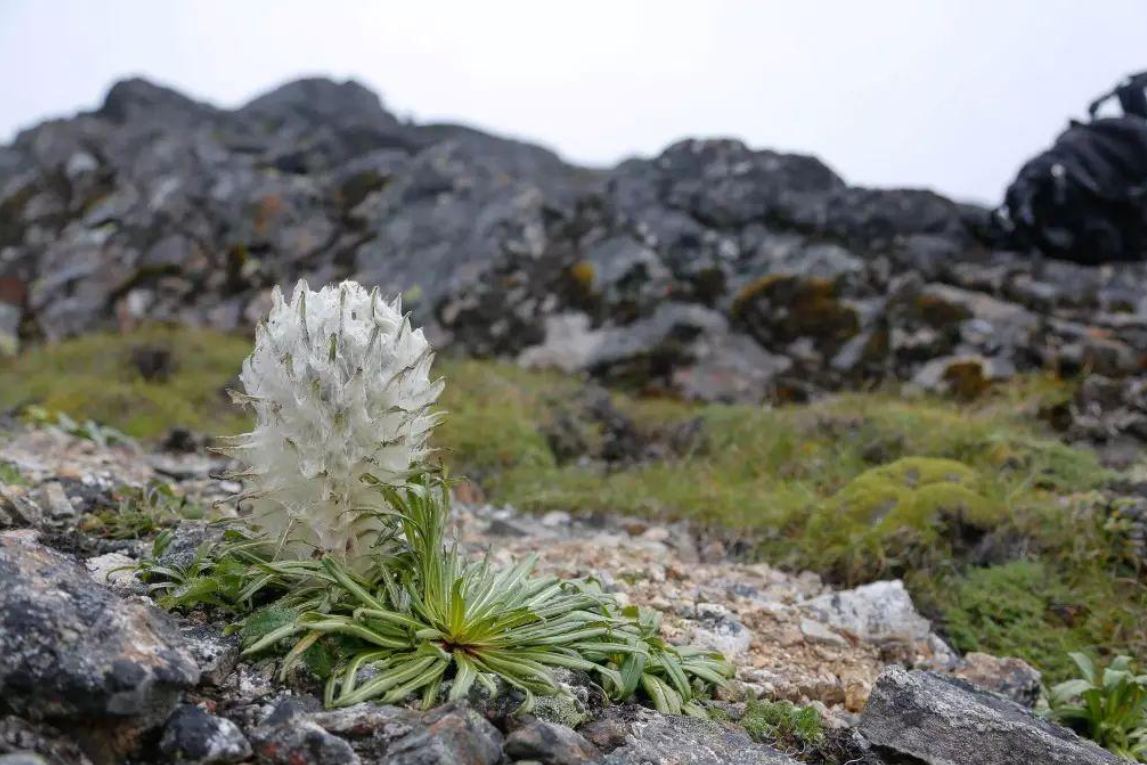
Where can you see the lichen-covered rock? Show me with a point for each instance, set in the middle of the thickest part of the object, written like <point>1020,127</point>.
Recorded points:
<point>115,570</point>
<point>655,738</point>
<point>215,653</point>
<point>941,721</point>
<point>21,738</point>
<point>730,368</point>
<point>194,737</point>
<point>491,239</point>
<point>880,612</point>
<point>186,541</point>
<point>287,737</point>
<point>297,732</point>
<point>965,377</point>
<point>821,634</point>
<point>452,734</point>
<point>579,699</point>
<point>718,630</point>
<point>687,348</point>
<point>77,654</point>
<point>779,309</point>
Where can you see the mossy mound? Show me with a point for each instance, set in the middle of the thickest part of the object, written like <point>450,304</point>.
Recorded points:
<point>898,516</point>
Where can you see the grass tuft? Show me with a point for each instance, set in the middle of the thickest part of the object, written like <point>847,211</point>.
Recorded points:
<point>790,728</point>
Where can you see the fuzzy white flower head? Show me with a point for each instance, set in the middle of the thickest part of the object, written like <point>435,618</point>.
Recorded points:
<point>340,385</point>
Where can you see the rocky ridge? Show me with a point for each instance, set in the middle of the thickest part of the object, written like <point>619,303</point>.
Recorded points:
<point>712,271</point>
<point>101,675</point>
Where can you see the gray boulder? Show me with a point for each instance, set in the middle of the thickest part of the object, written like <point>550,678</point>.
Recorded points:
<point>942,721</point>
<point>880,613</point>
<point>298,732</point>
<point>288,737</point>
<point>724,184</point>
<point>650,737</point>
<point>1008,676</point>
<point>194,737</point>
<point>872,218</point>
<point>460,238</point>
<point>452,734</point>
<point>21,738</point>
<point>77,654</point>
<point>550,744</point>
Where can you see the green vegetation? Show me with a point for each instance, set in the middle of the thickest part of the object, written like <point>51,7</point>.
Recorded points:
<point>88,429</point>
<point>1023,608</point>
<point>1106,704</point>
<point>753,470</point>
<point>207,579</point>
<point>792,729</point>
<point>901,516</point>
<point>142,512</point>
<point>857,487</point>
<point>10,474</point>
<point>101,378</point>
<point>990,520</point>
<point>423,614</point>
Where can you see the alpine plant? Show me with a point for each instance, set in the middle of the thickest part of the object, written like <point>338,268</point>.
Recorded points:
<point>426,616</point>
<point>349,527</point>
<point>339,383</point>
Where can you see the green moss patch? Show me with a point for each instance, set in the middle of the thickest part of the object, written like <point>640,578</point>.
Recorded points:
<point>99,378</point>
<point>898,516</point>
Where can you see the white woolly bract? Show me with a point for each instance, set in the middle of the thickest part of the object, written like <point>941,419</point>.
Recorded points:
<point>340,385</point>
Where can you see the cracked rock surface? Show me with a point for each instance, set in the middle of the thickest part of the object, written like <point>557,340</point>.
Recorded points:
<point>941,721</point>
<point>75,652</point>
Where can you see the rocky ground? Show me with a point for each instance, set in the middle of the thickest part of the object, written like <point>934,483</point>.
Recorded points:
<point>94,671</point>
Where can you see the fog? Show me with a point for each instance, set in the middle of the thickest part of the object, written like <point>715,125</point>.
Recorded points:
<point>946,95</point>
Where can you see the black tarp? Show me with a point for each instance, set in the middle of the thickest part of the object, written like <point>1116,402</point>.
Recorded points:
<point>1085,198</point>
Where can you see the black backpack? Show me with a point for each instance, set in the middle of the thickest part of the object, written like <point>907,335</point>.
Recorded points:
<point>1085,198</point>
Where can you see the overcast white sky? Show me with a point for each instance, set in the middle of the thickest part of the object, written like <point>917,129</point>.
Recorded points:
<point>946,94</point>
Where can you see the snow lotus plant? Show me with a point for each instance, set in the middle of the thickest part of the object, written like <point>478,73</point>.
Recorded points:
<point>340,386</point>
<point>349,527</point>
<point>428,614</point>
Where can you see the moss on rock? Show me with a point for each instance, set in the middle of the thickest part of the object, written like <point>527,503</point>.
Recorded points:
<point>779,308</point>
